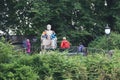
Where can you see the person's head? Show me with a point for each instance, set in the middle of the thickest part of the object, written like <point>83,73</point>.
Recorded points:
<point>48,27</point>
<point>64,38</point>
<point>80,43</point>
<point>28,40</point>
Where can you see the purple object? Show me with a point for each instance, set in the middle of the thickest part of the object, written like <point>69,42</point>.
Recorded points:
<point>80,48</point>
<point>28,46</point>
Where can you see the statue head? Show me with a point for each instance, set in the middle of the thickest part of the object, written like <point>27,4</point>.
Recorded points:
<point>48,27</point>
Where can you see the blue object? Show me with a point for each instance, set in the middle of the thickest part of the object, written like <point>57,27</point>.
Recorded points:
<point>80,48</point>
<point>53,36</point>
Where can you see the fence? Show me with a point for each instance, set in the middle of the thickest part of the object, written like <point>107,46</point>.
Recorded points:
<point>72,50</point>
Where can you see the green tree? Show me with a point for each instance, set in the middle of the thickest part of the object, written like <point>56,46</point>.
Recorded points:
<point>78,20</point>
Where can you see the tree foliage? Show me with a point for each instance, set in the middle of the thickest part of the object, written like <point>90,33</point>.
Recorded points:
<point>86,18</point>
<point>107,42</point>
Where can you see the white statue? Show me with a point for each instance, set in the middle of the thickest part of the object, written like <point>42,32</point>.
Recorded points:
<point>48,39</point>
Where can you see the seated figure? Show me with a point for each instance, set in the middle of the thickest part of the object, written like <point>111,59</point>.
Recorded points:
<point>65,44</point>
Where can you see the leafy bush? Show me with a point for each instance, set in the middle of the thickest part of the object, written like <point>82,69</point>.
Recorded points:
<point>103,67</point>
<point>112,42</point>
<point>57,66</point>
<point>5,50</point>
<point>14,71</point>
<point>54,66</point>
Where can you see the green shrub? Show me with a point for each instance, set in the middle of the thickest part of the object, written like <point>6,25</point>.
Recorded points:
<point>104,42</point>
<point>15,71</point>
<point>58,66</point>
<point>54,66</point>
<point>5,50</point>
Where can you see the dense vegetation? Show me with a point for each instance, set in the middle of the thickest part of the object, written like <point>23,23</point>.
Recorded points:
<point>57,66</point>
<point>107,42</point>
<point>78,20</point>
